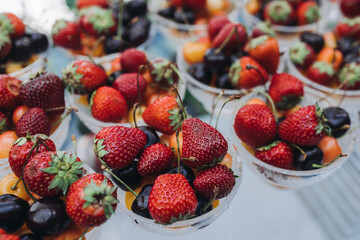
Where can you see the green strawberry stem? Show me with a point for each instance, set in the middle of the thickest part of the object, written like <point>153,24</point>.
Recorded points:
<point>231,98</point>
<point>215,104</point>
<point>74,140</point>
<point>178,150</point>
<point>106,169</point>
<point>83,235</point>
<point>120,19</point>
<point>136,105</point>
<point>271,101</point>
<point>96,44</point>
<point>175,89</point>
<point>227,39</point>
<point>249,67</point>
<point>321,166</point>
<point>176,70</point>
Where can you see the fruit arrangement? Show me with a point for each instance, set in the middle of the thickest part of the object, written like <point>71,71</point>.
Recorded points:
<point>121,27</point>
<point>331,59</point>
<point>20,45</point>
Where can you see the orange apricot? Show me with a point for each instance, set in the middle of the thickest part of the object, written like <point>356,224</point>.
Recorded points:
<point>6,141</point>
<point>332,56</point>
<point>330,148</point>
<point>18,112</point>
<point>194,52</point>
<point>6,184</point>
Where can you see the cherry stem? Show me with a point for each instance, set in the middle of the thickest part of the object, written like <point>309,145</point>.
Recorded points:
<point>176,70</point>
<point>136,105</point>
<point>227,39</point>
<point>36,144</point>
<point>120,19</point>
<point>175,89</point>
<point>14,187</point>
<point>231,98</point>
<point>337,157</point>
<point>301,151</point>
<point>83,235</point>
<point>74,140</point>
<point>215,104</point>
<point>106,169</point>
<point>69,110</point>
<point>271,101</point>
<point>178,150</point>
<point>249,67</point>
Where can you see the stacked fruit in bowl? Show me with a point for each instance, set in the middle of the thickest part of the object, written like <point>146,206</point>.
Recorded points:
<point>330,62</point>
<point>228,61</point>
<point>296,137</point>
<point>101,30</point>
<point>23,47</point>
<point>180,20</point>
<point>107,99</point>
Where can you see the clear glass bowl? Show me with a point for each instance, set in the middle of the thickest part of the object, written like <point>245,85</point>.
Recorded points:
<point>351,97</point>
<point>292,179</point>
<point>206,94</point>
<point>84,112</point>
<point>191,225</point>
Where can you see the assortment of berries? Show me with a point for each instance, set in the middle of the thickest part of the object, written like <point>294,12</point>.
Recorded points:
<point>19,46</point>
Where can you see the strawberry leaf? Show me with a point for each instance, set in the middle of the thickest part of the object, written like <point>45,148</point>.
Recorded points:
<point>298,53</point>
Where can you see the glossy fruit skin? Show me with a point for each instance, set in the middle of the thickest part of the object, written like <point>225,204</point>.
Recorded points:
<point>39,42</point>
<point>128,175</point>
<point>9,92</point>
<point>155,159</point>
<point>215,25</point>
<point>21,49</point>
<point>47,216</point>
<point>136,8</point>
<point>200,73</point>
<point>278,154</point>
<point>198,4</point>
<point>184,170</point>
<point>255,125</point>
<point>265,50</point>
<point>137,32</point>
<point>113,45</point>
<point>223,81</point>
<point>132,59</point>
<point>34,121</point>
<point>202,203</point>
<point>140,205</point>
<point>184,16</point>
<point>235,42</point>
<point>127,85</point>
<point>167,12</point>
<point>345,45</point>
<point>316,41</point>
<point>30,236</point>
<point>214,60</point>
<point>151,136</point>
<point>350,8</point>
<point>66,34</point>
<point>313,155</point>
<point>112,77</point>
<point>12,212</point>
<point>337,117</point>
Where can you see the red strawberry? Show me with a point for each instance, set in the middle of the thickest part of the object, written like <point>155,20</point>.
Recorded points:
<point>17,28</point>
<point>155,159</point>
<point>171,199</point>
<point>91,200</point>
<point>350,8</point>
<point>66,34</point>
<point>237,40</point>
<point>45,91</point>
<point>308,12</point>
<point>21,149</point>
<point>203,145</point>
<point>5,45</point>
<point>118,146</point>
<point>163,115</point>
<point>321,72</point>
<point>5,236</point>
<point>86,3</point>
<point>52,173</point>
<point>286,90</point>
<point>215,183</point>
<point>305,127</point>
<point>302,55</point>
<point>265,50</point>
<point>348,27</point>
<point>215,25</point>
<point>108,105</point>
<point>132,59</point>
<point>263,28</point>
<point>127,85</point>
<point>244,78</point>
<point>9,92</point>
<point>279,13</point>
<point>4,122</point>
<point>350,74</point>
<point>177,3</point>
<point>81,76</point>
<point>195,4</point>
<point>278,154</point>
<point>162,72</point>
<point>34,121</point>
<point>255,125</point>
<point>97,21</point>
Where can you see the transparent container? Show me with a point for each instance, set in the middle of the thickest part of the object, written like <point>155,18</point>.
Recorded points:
<point>292,179</point>
<point>194,224</point>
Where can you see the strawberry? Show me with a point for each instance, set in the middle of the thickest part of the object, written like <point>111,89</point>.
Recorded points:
<point>5,236</point>
<point>91,200</point>
<point>278,154</point>
<point>9,92</point>
<point>171,199</point>
<point>321,72</point>
<point>255,125</point>
<point>236,41</point>
<point>162,72</point>
<point>348,27</point>
<point>286,90</point>
<point>127,85</point>
<point>21,149</point>
<point>203,145</point>
<point>117,146</point>
<point>155,159</point>
<point>350,8</point>
<point>244,78</point>
<point>86,3</point>
<point>308,12</point>
<point>263,28</point>
<point>44,90</point>
<point>97,21</point>
<point>108,105</point>
<point>279,13</point>
<point>195,4</point>
<point>132,59</point>
<point>17,28</point>
<point>81,76</point>
<point>52,173</point>
<point>34,121</point>
<point>302,55</point>
<point>5,45</point>
<point>215,183</point>
<point>265,50</point>
<point>350,74</point>
<point>177,3</point>
<point>215,25</point>
<point>305,127</point>
<point>163,115</point>
<point>4,122</point>
<point>66,34</point>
